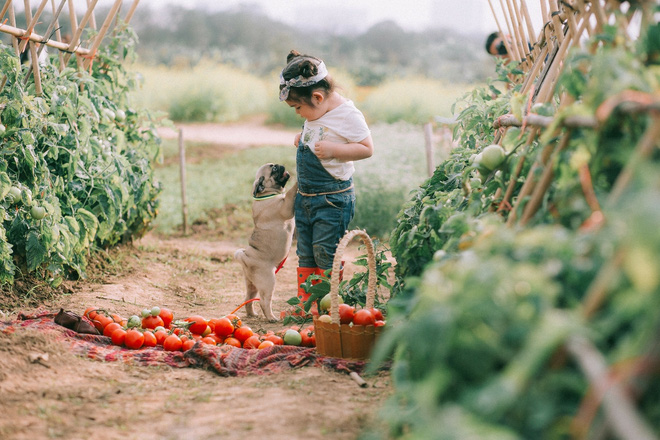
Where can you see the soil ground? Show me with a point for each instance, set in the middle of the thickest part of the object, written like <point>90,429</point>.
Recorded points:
<point>76,398</point>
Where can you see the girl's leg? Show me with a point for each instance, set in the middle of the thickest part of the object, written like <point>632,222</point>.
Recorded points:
<point>332,216</point>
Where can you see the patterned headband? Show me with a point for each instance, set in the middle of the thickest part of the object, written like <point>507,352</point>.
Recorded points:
<point>300,81</point>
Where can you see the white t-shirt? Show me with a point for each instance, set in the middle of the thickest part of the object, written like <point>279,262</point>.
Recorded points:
<point>343,124</point>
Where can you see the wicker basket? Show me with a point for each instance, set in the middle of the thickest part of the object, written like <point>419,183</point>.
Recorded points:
<point>342,340</point>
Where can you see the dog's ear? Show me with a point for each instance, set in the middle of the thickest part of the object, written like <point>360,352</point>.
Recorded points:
<point>258,186</point>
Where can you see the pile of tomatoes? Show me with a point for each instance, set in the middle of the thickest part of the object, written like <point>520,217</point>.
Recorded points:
<point>351,315</point>
<point>157,327</point>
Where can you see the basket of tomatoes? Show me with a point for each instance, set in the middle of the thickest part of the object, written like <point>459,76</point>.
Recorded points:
<point>347,332</point>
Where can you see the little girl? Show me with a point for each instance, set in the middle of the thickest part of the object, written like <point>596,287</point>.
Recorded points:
<point>334,135</point>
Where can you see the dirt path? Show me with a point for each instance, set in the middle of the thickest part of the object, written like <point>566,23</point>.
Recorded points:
<point>77,398</point>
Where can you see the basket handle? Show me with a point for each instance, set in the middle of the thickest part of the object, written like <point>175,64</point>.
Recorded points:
<point>336,268</point>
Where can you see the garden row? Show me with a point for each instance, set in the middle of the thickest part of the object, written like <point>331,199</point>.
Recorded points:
<point>536,272</point>
<point>81,158</point>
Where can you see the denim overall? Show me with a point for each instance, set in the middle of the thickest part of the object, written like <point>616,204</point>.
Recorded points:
<point>323,214</point>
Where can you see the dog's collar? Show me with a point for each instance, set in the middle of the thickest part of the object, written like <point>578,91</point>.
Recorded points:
<point>269,196</point>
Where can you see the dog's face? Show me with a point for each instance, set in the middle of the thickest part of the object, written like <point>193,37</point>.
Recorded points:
<point>270,178</point>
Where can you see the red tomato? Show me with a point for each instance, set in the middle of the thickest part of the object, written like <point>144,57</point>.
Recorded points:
<point>152,322</point>
<point>216,338</point>
<point>252,342</point>
<point>233,342</point>
<point>378,314</point>
<point>172,343</point>
<point>91,312</point>
<point>242,333</point>
<point>118,318</point>
<point>223,327</point>
<point>160,336</point>
<point>134,339</point>
<point>100,321</point>
<point>110,328</point>
<point>187,345</point>
<point>209,340</point>
<point>346,313</point>
<point>265,344</point>
<point>167,317</point>
<point>150,339</point>
<point>308,337</point>
<point>235,320</point>
<point>277,340</point>
<point>364,317</point>
<point>118,336</point>
<point>198,324</point>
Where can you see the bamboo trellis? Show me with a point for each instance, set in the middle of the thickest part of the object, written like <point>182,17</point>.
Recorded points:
<point>34,37</point>
<point>541,55</point>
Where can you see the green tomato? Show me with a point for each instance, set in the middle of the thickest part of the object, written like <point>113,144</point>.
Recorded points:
<point>146,312</point>
<point>326,301</point>
<point>14,194</point>
<point>120,115</point>
<point>155,311</point>
<point>27,197</point>
<point>38,212</point>
<point>2,128</point>
<point>492,156</point>
<point>292,337</point>
<point>134,321</point>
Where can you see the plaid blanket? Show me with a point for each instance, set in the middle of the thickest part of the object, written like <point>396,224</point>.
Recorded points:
<point>224,360</point>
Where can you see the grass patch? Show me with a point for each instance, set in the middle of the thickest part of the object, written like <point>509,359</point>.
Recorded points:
<point>208,91</point>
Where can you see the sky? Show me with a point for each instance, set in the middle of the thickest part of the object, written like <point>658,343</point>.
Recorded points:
<point>473,16</point>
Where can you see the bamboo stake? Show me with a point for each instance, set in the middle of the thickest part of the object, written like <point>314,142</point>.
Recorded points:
<point>554,13</point>
<point>32,20</point>
<point>528,22</point>
<point>12,20</point>
<point>619,409</point>
<point>58,33</point>
<point>131,11</point>
<point>102,32</point>
<point>514,47</point>
<point>521,30</point>
<point>79,30</point>
<point>48,33</point>
<point>182,171</point>
<point>5,8</point>
<point>544,182</point>
<point>74,28</point>
<point>92,20</point>
<point>534,71</point>
<point>517,39</point>
<point>601,19</point>
<point>33,52</point>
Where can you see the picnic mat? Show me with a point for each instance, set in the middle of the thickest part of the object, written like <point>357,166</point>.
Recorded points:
<point>224,360</point>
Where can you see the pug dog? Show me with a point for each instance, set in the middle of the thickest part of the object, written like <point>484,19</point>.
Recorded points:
<point>270,242</point>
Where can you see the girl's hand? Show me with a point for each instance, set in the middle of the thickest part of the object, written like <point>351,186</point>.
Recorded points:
<point>324,149</point>
<point>296,140</point>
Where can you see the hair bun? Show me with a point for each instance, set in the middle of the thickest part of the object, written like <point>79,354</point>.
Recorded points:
<point>293,54</point>
<point>308,68</point>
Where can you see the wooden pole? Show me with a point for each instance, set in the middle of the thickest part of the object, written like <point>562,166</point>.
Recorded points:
<point>182,168</point>
<point>12,20</point>
<point>49,31</point>
<point>31,20</point>
<point>102,32</point>
<point>513,48</point>
<point>79,30</point>
<point>428,143</point>
<point>17,32</point>
<point>58,33</point>
<point>92,19</point>
<point>131,11</point>
<point>33,52</point>
<point>4,9</point>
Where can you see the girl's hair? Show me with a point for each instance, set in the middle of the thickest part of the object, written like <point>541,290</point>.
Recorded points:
<point>307,66</point>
